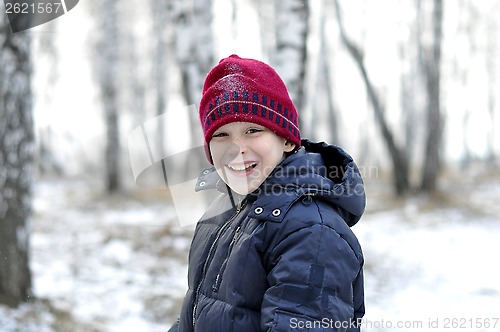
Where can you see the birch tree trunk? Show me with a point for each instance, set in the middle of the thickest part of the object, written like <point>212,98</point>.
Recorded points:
<point>132,81</point>
<point>435,122</point>
<point>106,66</point>
<point>194,47</point>
<point>265,9</point>
<point>193,44</point>
<point>292,18</point>
<point>411,82</point>
<point>161,29</point>
<point>16,164</point>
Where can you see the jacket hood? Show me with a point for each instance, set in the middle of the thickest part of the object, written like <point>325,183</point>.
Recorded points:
<point>318,170</point>
<point>326,172</point>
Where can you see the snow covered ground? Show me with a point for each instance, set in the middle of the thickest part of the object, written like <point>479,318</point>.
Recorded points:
<point>434,265</point>
<point>118,263</point>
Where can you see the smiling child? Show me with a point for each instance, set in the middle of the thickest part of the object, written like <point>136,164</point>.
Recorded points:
<point>275,251</point>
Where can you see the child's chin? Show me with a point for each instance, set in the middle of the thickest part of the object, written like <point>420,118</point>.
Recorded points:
<point>242,188</point>
<point>241,191</point>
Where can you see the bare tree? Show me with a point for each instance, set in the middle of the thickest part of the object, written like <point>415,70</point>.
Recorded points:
<point>435,121</point>
<point>398,157</point>
<point>411,81</point>
<point>16,164</point>
<point>106,63</point>
<point>160,26</point>
<point>194,47</point>
<point>292,17</point>
<point>266,8</point>
<point>131,64</point>
<point>161,39</point>
<point>320,94</point>
<point>325,74</point>
<point>193,43</point>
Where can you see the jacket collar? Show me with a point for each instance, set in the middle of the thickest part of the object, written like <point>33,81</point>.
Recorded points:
<point>317,169</point>
<point>264,205</point>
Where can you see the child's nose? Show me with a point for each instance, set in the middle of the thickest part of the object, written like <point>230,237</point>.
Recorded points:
<point>240,145</point>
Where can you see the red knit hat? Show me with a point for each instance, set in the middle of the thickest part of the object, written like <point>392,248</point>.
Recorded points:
<point>247,90</point>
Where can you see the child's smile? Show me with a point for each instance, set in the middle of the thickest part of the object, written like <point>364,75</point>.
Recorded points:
<point>244,168</point>
<point>245,153</point>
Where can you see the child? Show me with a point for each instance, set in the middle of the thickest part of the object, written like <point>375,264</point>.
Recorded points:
<point>274,252</point>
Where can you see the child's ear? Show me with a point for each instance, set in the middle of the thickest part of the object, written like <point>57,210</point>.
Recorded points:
<point>289,146</point>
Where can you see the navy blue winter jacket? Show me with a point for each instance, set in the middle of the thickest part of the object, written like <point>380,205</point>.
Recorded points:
<point>286,258</point>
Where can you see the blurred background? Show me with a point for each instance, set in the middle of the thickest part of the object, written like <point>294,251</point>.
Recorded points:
<point>410,88</point>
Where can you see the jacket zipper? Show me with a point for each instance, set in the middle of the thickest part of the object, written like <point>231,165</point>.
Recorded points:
<point>218,279</point>
<point>239,207</point>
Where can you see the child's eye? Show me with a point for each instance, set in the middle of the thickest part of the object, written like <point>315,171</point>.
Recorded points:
<point>253,130</point>
<point>219,135</point>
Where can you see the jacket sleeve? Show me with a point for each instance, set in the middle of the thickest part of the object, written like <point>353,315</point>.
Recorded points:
<point>315,283</point>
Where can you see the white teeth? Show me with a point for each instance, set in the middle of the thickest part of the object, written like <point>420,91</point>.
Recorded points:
<point>242,168</point>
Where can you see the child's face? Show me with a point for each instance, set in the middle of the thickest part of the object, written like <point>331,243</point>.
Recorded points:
<point>245,153</point>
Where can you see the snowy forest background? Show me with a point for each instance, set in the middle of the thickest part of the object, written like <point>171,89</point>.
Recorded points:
<point>409,87</point>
